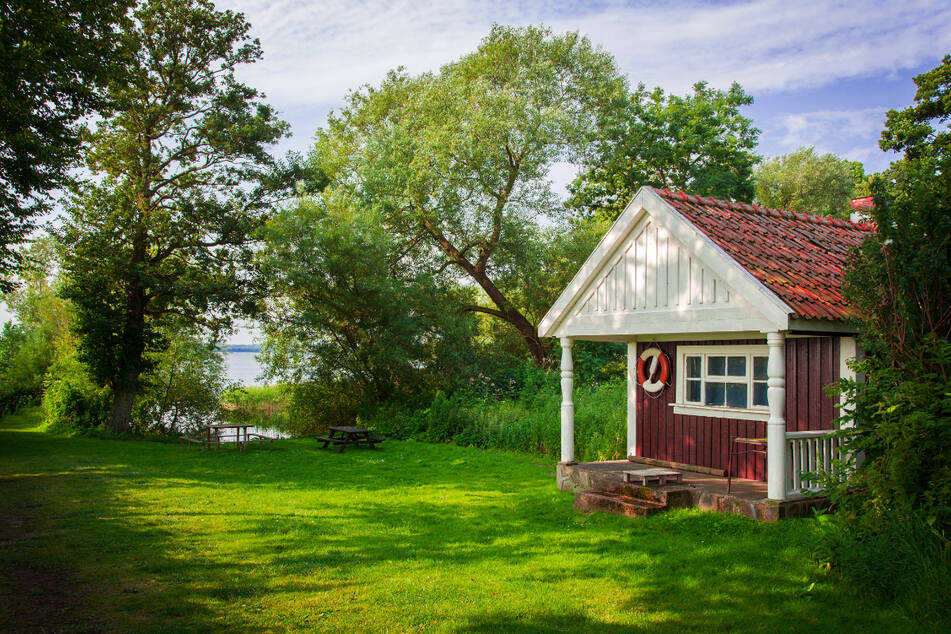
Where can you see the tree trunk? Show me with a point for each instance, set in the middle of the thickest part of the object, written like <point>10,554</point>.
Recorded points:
<point>123,395</point>
<point>125,383</point>
<point>506,311</point>
<point>513,316</point>
<point>530,334</point>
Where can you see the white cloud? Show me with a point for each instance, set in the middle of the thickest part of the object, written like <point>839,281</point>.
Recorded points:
<point>772,45</point>
<point>316,52</point>
<point>851,134</point>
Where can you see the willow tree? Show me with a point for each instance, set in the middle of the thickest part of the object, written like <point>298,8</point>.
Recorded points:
<point>456,163</point>
<point>160,231</point>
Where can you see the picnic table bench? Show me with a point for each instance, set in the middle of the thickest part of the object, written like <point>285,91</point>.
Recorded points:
<point>343,435</point>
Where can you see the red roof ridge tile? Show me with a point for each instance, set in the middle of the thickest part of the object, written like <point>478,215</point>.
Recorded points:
<point>756,209</point>
<point>799,257</point>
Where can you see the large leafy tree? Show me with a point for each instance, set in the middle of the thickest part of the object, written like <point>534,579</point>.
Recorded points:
<point>456,163</point>
<point>896,502</point>
<point>809,182</point>
<point>161,230</point>
<point>54,55</point>
<point>343,321</point>
<point>698,143</point>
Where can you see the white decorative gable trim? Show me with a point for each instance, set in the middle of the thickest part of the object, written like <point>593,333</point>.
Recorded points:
<point>654,272</point>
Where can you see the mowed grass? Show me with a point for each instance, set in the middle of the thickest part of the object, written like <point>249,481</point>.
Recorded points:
<point>109,535</point>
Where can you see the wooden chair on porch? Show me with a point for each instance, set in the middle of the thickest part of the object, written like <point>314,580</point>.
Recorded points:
<point>753,446</point>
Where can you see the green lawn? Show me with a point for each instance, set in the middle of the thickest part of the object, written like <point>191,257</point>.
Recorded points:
<point>102,534</point>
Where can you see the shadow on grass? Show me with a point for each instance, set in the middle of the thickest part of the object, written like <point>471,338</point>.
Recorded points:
<point>156,537</point>
<point>291,464</point>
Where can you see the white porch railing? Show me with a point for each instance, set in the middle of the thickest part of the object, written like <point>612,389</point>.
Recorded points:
<point>809,452</point>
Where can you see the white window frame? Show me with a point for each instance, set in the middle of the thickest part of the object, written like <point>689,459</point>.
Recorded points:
<point>681,406</point>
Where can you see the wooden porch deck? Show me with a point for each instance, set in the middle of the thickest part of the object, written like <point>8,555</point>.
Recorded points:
<point>701,490</point>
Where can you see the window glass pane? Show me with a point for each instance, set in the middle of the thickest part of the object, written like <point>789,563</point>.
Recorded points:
<point>759,368</point>
<point>715,393</point>
<point>693,391</point>
<point>759,393</point>
<point>716,366</point>
<point>736,395</point>
<point>694,366</point>
<point>736,366</point>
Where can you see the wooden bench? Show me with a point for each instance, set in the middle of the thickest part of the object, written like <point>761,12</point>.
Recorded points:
<point>253,437</point>
<point>647,476</point>
<point>188,441</point>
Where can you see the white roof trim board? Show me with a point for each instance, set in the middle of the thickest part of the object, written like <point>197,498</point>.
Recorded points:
<point>631,284</point>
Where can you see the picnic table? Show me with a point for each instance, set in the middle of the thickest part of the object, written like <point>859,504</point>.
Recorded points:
<point>241,430</point>
<point>210,436</point>
<point>343,435</point>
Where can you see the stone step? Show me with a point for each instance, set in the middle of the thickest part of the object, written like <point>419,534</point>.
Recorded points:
<point>602,502</point>
<point>671,495</point>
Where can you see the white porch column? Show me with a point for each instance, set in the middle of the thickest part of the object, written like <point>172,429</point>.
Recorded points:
<point>567,405</point>
<point>848,351</point>
<point>776,466</point>
<point>632,398</point>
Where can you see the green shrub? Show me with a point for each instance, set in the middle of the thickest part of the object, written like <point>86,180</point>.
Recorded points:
<point>528,423</point>
<point>21,378</point>
<point>72,403</point>
<point>313,407</point>
<point>891,558</point>
<point>41,335</point>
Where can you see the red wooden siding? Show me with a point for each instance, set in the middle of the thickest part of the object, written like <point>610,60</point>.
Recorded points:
<point>811,363</point>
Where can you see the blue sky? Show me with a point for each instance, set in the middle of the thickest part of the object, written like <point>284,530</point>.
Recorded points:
<point>822,73</point>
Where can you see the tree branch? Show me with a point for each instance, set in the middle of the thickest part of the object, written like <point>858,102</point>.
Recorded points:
<point>473,308</point>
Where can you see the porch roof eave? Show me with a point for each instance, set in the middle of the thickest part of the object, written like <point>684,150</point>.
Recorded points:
<point>671,336</point>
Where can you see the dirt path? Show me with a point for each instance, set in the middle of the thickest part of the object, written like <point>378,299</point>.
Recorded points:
<point>34,597</point>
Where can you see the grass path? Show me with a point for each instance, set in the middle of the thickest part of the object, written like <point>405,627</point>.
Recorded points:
<point>118,536</point>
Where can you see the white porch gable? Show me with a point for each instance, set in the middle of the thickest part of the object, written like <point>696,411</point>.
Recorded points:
<point>654,273</point>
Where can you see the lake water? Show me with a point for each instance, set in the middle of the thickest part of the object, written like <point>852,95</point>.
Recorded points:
<point>243,366</point>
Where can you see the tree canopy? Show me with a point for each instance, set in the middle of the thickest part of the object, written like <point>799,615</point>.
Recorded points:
<point>54,56</point>
<point>343,318</point>
<point>809,182</point>
<point>895,503</point>
<point>456,163</point>
<point>698,143</point>
<point>179,163</point>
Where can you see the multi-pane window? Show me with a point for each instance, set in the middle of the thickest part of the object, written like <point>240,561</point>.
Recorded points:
<point>734,379</point>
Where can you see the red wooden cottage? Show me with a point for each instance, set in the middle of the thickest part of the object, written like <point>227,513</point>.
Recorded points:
<point>736,316</point>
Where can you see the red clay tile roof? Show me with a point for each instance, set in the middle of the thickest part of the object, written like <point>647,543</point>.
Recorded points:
<point>798,257</point>
<point>866,203</point>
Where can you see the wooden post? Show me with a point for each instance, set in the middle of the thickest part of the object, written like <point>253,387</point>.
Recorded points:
<point>776,460</point>
<point>632,398</point>
<point>567,404</point>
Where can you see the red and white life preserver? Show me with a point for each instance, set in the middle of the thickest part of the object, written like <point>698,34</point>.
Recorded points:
<point>645,375</point>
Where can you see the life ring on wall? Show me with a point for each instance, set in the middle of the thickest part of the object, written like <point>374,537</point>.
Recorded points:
<point>645,374</point>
